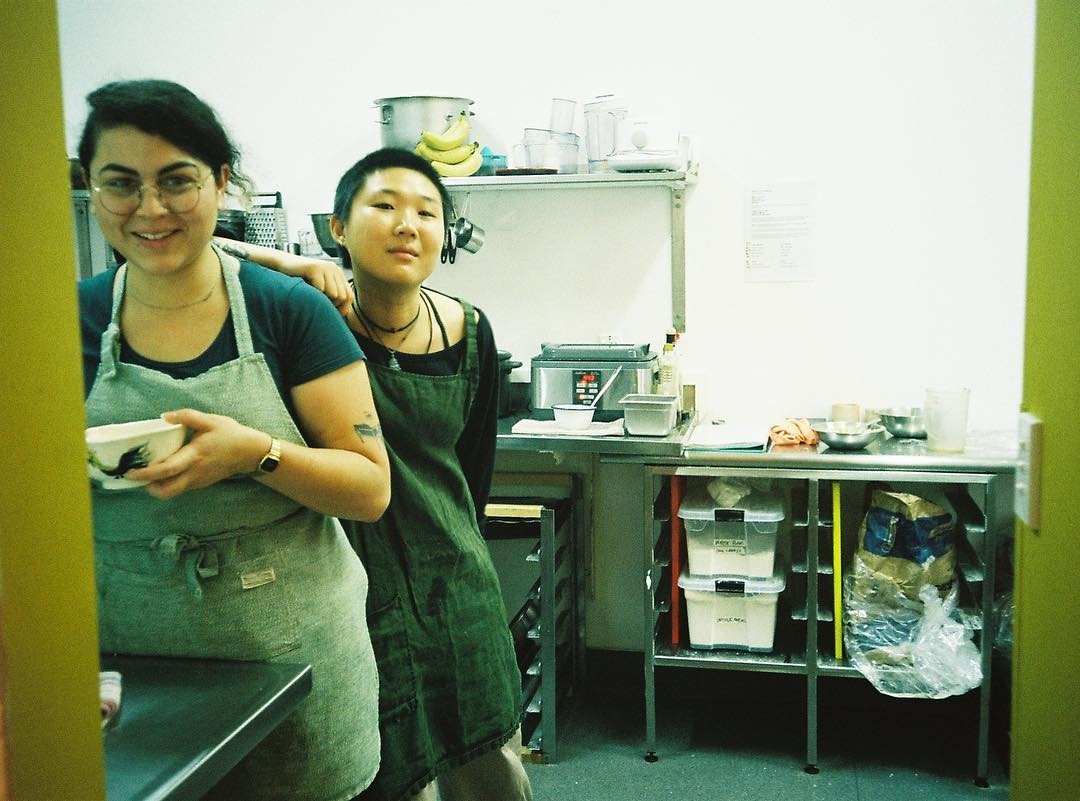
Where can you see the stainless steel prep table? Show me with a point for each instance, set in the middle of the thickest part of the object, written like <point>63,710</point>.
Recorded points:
<point>988,463</point>
<point>184,723</point>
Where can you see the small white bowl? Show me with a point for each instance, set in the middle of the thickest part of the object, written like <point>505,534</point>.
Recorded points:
<point>573,415</point>
<point>112,450</point>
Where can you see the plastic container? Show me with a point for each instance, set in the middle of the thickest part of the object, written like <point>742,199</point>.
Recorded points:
<point>562,114</point>
<point>732,612</point>
<point>649,415</point>
<point>604,118</point>
<point>738,541</point>
<point>946,412</point>
<point>557,150</point>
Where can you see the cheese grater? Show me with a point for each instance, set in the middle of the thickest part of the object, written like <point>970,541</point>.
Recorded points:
<point>265,223</point>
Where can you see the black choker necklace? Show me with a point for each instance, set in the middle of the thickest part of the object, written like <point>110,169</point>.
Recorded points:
<point>375,325</point>
<point>372,327</point>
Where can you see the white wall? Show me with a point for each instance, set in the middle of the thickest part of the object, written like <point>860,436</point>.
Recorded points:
<point>913,120</point>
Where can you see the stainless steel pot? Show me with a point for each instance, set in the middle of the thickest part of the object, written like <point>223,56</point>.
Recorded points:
<point>403,118</point>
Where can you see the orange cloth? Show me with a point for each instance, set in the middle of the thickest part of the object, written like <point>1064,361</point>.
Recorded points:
<point>793,432</point>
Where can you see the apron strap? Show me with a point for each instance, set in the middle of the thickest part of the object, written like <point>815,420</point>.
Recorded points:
<point>110,339</point>
<point>470,367</point>
<point>230,268</point>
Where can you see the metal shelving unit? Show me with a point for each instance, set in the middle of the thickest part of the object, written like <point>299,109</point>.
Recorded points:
<point>548,627</point>
<point>676,182</point>
<point>804,634</point>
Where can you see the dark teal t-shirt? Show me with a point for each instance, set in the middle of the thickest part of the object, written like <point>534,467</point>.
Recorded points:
<point>296,328</point>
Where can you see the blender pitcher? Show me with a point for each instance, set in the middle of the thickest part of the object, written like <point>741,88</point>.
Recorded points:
<point>603,119</point>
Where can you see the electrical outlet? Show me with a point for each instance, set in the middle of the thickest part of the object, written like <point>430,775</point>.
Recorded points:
<point>1028,496</point>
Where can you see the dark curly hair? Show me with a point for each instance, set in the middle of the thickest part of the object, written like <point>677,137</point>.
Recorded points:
<point>165,109</point>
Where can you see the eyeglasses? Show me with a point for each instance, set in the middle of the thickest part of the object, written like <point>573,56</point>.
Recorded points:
<point>177,192</point>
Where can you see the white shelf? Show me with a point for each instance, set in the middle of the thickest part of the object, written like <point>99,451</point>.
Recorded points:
<point>590,180</point>
<point>675,181</point>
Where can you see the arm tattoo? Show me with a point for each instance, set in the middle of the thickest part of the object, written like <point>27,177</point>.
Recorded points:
<point>234,248</point>
<point>365,430</point>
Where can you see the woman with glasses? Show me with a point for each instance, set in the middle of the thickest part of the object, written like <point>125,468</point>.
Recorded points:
<point>232,550</point>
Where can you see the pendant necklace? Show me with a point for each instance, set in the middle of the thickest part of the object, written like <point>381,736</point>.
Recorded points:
<point>373,327</point>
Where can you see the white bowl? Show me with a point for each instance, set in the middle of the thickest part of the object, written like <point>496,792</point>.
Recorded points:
<point>573,415</point>
<point>112,450</point>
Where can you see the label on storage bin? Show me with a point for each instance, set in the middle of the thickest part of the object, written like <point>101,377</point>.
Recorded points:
<point>730,620</point>
<point>731,546</point>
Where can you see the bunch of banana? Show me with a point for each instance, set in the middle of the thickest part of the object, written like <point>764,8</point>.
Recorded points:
<point>450,152</point>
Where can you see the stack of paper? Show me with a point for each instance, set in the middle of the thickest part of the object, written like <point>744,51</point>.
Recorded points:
<point>726,435</point>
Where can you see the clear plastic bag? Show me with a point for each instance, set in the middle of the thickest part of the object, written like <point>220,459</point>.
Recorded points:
<point>906,648</point>
<point>902,627</point>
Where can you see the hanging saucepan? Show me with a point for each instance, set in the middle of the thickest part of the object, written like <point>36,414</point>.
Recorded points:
<point>464,235</point>
<point>506,366</point>
<point>468,235</point>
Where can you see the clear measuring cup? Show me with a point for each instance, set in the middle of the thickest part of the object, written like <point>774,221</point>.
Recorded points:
<point>604,118</point>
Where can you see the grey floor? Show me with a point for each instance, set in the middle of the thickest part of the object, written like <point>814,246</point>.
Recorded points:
<point>725,735</point>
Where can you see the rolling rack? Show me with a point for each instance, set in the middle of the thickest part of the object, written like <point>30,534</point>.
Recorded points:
<point>535,550</point>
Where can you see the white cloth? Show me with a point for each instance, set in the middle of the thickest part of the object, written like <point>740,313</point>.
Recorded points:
<point>594,429</point>
<point>110,686</point>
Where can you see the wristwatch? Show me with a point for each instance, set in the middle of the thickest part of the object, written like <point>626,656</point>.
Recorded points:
<point>272,459</point>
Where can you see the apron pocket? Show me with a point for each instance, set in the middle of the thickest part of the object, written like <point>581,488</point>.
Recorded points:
<point>200,604</point>
<point>256,595</point>
<point>393,656</point>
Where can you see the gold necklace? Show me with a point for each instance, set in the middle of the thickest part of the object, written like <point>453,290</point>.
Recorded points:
<point>142,302</point>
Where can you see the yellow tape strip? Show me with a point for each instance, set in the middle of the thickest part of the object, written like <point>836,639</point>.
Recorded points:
<point>837,570</point>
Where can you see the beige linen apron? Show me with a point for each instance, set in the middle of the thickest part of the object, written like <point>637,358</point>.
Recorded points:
<point>238,571</point>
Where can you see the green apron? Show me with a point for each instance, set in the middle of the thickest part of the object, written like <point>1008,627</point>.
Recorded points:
<point>449,685</point>
<point>238,571</point>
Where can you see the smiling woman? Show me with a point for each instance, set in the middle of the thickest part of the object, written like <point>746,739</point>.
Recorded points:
<point>228,548</point>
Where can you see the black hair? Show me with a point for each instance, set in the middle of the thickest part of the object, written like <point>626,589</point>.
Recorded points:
<point>387,158</point>
<point>165,109</point>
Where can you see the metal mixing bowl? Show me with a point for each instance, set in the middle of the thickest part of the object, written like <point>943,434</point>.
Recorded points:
<point>322,233</point>
<point>847,436</point>
<point>906,422</point>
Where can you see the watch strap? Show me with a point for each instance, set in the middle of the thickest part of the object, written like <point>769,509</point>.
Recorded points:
<point>269,463</point>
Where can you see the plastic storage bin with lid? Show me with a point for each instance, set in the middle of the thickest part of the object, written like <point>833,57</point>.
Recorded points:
<point>732,611</point>
<point>740,540</point>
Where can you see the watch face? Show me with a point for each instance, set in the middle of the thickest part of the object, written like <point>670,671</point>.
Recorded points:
<point>270,462</point>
